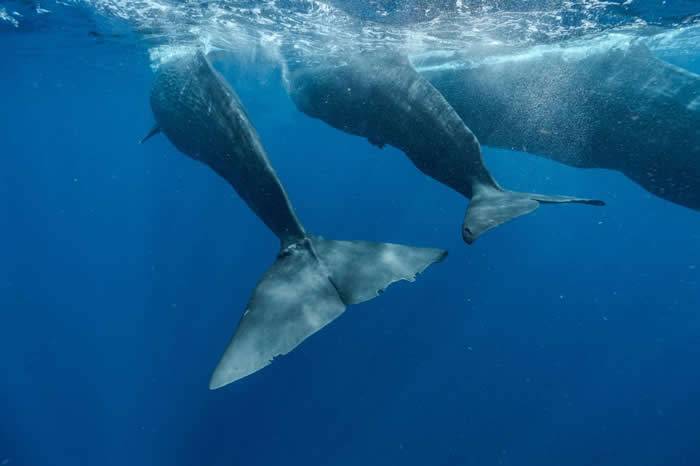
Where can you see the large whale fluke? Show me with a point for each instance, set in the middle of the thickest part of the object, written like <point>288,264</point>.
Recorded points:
<point>313,279</point>
<point>307,287</point>
<point>380,96</point>
<point>490,207</point>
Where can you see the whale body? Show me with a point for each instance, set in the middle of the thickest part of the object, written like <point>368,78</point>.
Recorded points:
<point>312,279</point>
<point>380,96</point>
<point>617,108</point>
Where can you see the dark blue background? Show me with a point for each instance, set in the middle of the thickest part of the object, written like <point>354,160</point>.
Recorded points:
<point>570,336</point>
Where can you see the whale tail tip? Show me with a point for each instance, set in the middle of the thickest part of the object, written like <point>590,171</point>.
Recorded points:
<point>307,287</point>
<point>491,207</point>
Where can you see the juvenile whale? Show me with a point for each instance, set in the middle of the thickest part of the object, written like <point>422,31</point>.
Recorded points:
<point>380,96</point>
<point>313,279</point>
<point>586,105</point>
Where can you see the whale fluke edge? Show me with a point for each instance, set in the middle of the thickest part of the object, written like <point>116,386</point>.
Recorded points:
<point>309,285</point>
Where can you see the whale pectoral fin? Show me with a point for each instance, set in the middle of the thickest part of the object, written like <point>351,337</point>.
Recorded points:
<point>155,130</point>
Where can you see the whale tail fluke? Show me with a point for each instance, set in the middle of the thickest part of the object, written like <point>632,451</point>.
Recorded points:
<point>307,287</point>
<point>362,270</point>
<point>491,206</point>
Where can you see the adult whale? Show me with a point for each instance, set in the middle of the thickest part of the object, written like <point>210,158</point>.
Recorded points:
<point>587,105</point>
<point>313,279</point>
<point>380,96</point>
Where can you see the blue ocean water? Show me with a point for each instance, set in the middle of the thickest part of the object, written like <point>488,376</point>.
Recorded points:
<point>570,336</point>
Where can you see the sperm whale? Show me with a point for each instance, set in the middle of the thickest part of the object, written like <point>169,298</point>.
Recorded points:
<point>313,279</point>
<point>614,107</point>
<point>380,96</point>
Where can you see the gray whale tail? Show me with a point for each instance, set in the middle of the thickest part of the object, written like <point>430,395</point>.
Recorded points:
<point>492,206</point>
<point>308,286</point>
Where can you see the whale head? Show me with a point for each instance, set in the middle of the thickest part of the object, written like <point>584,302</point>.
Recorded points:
<point>337,95</point>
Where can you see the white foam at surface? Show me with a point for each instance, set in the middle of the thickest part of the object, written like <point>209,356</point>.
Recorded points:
<point>308,30</point>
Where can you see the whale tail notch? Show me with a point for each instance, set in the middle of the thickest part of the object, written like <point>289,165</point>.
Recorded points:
<point>493,206</point>
<point>308,286</point>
